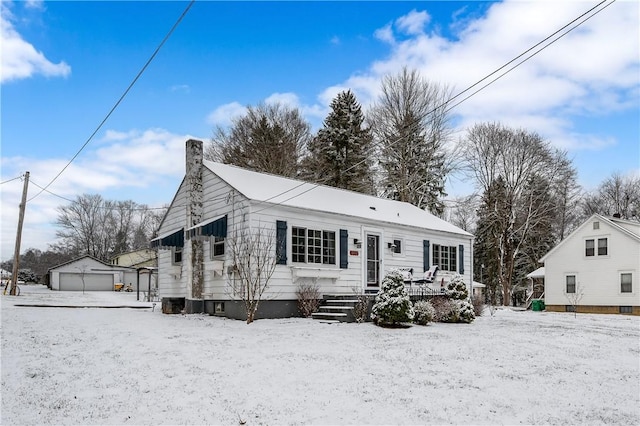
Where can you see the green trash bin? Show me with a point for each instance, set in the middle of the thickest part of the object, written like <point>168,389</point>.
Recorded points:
<point>537,305</point>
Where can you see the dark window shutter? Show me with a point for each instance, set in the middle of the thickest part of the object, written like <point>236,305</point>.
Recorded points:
<point>344,249</point>
<point>461,259</point>
<point>281,242</point>
<point>425,255</point>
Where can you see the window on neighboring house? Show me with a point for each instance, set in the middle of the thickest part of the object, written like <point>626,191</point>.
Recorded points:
<point>313,246</point>
<point>602,246</point>
<point>571,283</point>
<point>217,247</point>
<point>177,256</point>
<point>626,282</point>
<point>445,257</point>
<point>589,248</point>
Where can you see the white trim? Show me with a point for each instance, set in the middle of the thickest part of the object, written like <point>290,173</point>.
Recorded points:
<point>166,234</point>
<point>204,223</point>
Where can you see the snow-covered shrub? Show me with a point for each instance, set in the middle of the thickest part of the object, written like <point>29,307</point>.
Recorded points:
<point>457,289</point>
<point>309,299</point>
<point>423,312</point>
<point>465,311</point>
<point>392,304</point>
<point>445,310</point>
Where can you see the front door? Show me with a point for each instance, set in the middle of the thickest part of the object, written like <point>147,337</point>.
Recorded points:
<point>373,260</point>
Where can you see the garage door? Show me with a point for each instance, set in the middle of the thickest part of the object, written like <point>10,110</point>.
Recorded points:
<point>92,282</point>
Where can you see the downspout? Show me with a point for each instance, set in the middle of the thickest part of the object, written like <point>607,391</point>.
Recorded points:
<point>193,180</point>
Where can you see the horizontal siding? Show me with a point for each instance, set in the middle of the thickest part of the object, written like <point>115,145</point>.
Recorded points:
<point>219,199</point>
<point>599,276</point>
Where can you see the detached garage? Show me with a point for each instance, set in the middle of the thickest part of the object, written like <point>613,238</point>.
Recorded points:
<point>88,273</point>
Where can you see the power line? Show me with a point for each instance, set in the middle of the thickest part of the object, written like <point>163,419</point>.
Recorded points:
<point>444,104</point>
<point>119,100</point>
<point>12,179</point>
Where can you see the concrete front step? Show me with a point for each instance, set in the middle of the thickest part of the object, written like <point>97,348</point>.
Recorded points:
<point>337,316</point>
<point>341,301</point>
<point>336,308</point>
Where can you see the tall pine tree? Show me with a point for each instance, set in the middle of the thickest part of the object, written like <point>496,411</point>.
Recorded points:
<point>410,122</point>
<point>339,154</point>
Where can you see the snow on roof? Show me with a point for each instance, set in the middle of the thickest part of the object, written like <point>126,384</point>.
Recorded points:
<point>271,189</point>
<point>538,273</point>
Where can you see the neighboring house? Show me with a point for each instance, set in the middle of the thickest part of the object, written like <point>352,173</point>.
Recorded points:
<point>341,240</point>
<point>136,259</point>
<point>91,274</point>
<point>600,261</point>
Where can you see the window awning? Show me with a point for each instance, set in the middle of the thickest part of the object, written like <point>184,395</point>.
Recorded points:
<point>216,227</point>
<point>171,239</point>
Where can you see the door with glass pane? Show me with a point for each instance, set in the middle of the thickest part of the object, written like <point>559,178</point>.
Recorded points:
<point>373,260</point>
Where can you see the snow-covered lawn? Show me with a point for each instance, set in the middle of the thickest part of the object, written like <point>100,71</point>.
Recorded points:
<point>138,366</point>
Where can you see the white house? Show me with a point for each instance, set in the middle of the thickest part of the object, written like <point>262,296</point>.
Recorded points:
<point>90,274</point>
<point>341,240</point>
<point>600,264</point>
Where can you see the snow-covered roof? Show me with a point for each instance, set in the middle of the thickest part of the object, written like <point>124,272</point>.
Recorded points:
<point>538,273</point>
<point>270,189</point>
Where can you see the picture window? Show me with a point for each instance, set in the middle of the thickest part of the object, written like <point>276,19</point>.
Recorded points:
<point>313,246</point>
<point>445,257</point>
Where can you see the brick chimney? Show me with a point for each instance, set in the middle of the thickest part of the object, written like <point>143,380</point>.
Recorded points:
<point>194,209</point>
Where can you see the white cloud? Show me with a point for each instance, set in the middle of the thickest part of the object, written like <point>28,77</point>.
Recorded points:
<point>335,40</point>
<point>593,69</point>
<point>136,165</point>
<point>413,23</point>
<point>20,59</point>
<point>385,34</point>
<point>289,99</point>
<point>224,114</point>
<point>181,88</point>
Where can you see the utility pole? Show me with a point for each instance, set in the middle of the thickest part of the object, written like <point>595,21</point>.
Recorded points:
<point>16,253</point>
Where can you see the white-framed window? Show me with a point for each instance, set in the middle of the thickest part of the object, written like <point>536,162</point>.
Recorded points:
<point>397,246</point>
<point>313,246</point>
<point>626,282</point>
<point>176,256</point>
<point>602,247</point>
<point>570,281</point>
<point>445,257</point>
<point>596,246</point>
<point>216,248</point>
<point>590,247</point>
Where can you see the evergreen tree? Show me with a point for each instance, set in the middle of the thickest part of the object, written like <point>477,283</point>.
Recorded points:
<point>411,124</point>
<point>392,304</point>
<point>269,138</point>
<point>339,154</point>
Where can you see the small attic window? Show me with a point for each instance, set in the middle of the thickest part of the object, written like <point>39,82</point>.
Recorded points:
<point>596,225</point>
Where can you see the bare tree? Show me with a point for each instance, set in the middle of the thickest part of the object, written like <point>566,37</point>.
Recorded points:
<point>618,194</point>
<point>575,297</point>
<point>411,125</point>
<point>461,211</point>
<point>253,256</point>
<point>269,138</point>
<point>517,172</point>
<point>101,228</point>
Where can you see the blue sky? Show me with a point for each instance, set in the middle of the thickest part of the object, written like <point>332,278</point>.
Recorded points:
<point>65,64</point>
